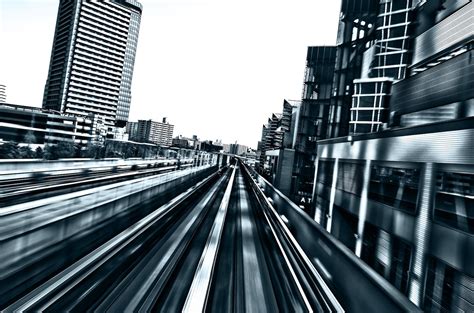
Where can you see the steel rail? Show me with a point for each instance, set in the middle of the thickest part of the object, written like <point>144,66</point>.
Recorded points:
<point>197,297</point>
<point>329,298</point>
<point>74,274</point>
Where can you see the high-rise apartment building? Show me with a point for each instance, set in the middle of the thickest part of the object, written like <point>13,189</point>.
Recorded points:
<point>160,133</point>
<point>3,93</point>
<point>92,59</point>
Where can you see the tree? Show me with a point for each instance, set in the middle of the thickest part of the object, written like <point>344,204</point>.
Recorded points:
<point>39,153</point>
<point>94,151</point>
<point>9,150</point>
<point>61,150</point>
<point>25,152</point>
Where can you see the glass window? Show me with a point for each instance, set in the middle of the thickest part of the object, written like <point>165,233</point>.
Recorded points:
<point>454,200</point>
<point>325,172</point>
<point>397,187</point>
<point>447,289</point>
<point>387,254</point>
<point>350,177</point>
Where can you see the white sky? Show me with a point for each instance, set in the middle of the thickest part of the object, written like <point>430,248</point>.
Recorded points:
<point>214,68</point>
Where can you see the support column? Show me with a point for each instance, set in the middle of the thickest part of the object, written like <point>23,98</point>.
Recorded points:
<point>313,196</point>
<point>422,233</point>
<point>363,208</point>
<point>332,196</point>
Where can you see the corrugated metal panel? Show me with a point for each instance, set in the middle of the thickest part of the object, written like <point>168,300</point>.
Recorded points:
<point>446,83</point>
<point>453,147</point>
<point>456,28</point>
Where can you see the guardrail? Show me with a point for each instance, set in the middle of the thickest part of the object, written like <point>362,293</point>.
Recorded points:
<point>357,287</point>
<point>26,168</point>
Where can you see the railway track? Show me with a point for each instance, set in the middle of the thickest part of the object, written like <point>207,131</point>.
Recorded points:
<point>219,246</point>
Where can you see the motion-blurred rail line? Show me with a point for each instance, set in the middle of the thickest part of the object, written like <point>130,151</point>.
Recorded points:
<point>218,244</point>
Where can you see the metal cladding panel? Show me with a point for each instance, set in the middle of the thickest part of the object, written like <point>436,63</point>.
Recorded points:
<point>383,216</point>
<point>322,59</point>
<point>459,255</point>
<point>449,82</point>
<point>456,28</point>
<point>453,147</point>
<point>359,7</point>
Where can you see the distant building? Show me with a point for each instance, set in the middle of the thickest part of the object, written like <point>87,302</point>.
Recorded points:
<point>183,142</point>
<point>160,133</point>
<point>31,125</point>
<point>3,93</point>
<point>132,130</point>
<point>226,148</point>
<point>272,138</point>
<point>237,149</point>
<point>209,146</point>
<point>234,148</point>
<point>289,161</point>
<point>92,59</point>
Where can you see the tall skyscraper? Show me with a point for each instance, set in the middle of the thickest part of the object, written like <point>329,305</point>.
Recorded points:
<point>92,59</point>
<point>3,94</point>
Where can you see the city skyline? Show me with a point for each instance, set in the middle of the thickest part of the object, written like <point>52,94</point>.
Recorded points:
<point>166,67</point>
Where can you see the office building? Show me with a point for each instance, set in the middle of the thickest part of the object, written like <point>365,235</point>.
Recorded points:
<point>397,188</point>
<point>311,120</point>
<point>235,148</point>
<point>272,138</point>
<point>384,62</point>
<point>354,33</point>
<point>303,123</point>
<point>185,142</point>
<point>92,59</point>
<point>3,93</point>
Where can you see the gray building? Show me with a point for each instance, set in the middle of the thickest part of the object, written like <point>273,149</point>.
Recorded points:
<point>302,124</point>
<point>92,59</point>
<point>160,133</point>
<point>32,125</point>
<point>397,188</point>
<point>235,148</point>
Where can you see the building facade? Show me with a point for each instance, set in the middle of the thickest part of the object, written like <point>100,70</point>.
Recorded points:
<point>160,133</point>
<point>237,149</point>
<point>272,139</point>
<point>31,125</point>
<point>92,59</point>
<point>356,22</point>
<point>302,124</point>
<point>398,191</point>
<point>3,93</point>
